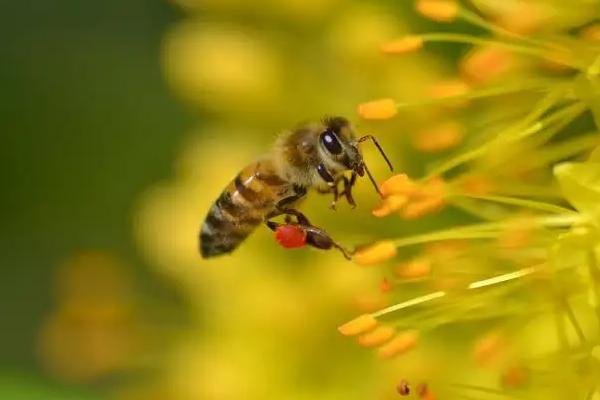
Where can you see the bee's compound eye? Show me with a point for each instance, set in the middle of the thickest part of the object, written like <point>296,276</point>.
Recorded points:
<point>331,142</point>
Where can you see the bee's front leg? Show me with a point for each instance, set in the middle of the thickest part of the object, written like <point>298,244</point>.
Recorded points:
<point>332,184</point>
<point>334,188</point>
<point>348,184</point>
<point>336,194</point>
<point>346,191</point>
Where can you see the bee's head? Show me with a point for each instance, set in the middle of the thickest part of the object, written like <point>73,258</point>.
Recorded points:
<point>341,147</point>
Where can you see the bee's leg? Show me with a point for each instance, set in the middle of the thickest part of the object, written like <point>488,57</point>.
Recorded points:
<point>348,184</point>
<point>332,188</point>
<point>299,192</point>
<point>336,195</point>
<point>315,237</point>
<point>331,182</point>
<point>272,225</point>
<point>346,191</point>
<point>281,208</point>
<point>301,218</point>
<point>318,238</point>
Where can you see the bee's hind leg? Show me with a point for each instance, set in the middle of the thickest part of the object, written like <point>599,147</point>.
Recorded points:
<point>272,225</point>
<point>288,212</point>
<point>318,238</point>
<point>315,237</point>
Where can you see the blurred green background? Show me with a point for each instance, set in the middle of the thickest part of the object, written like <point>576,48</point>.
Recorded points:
<point>88,123</point>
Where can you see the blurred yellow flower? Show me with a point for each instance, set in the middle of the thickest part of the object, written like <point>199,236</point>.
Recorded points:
<point>450,88</point>
<point>475,184</point>
<point>406,44</point>
<point>515,376</point>
<point>358,325</point>
<point>93,331</point>
<point>376,337</point>
<point>221,67</point>
<point>591,33</point>
<point>414,269</point>
<point>403,342</point>
<point>438,10</point>
<point>378,109</point>
<point>487,63</point>
<point>524,16</point>
<point>411,200</point>
<point>440,137</point>
<point>375,253</point>
<point>389,204</point>
<point>490,349</point>
<point>399,184</point>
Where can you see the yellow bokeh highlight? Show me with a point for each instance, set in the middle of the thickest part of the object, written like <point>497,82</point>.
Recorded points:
<point>220,67</point>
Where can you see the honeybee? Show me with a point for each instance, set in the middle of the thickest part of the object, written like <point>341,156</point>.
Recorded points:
<point>312,156</point>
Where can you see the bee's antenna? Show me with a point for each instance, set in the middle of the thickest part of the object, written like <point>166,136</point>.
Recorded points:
<point>362,139</point>
<point>387,160</point>
<point>372,179</point>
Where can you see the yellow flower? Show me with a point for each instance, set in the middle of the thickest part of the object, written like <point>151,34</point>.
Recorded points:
<point>486,63</point>
<point>378,109</point>
<point>438,10</point>
<point>439,137</point>
<point>402,343</point>
<point>489,349</point>
<point>430,197</point>
<point>448,88</point>
<point>514,376</point>
<point>375,253</point>
<point>475,184</point>
<point>376,337</point>
<point>399,184</point>
<point>524,17</point>
<point>517,234</point>
<point>370,302</point>
<point>591,33</point>
<point>444,252</point>
<point>358,325</point>
<point>403,45</point>
<point>414,269</point>
<point>423,207</point>
<point>410,199</point>
<point>389,205</point>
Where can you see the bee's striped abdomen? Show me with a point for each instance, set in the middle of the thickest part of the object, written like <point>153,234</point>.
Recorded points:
<point>241,208</point>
